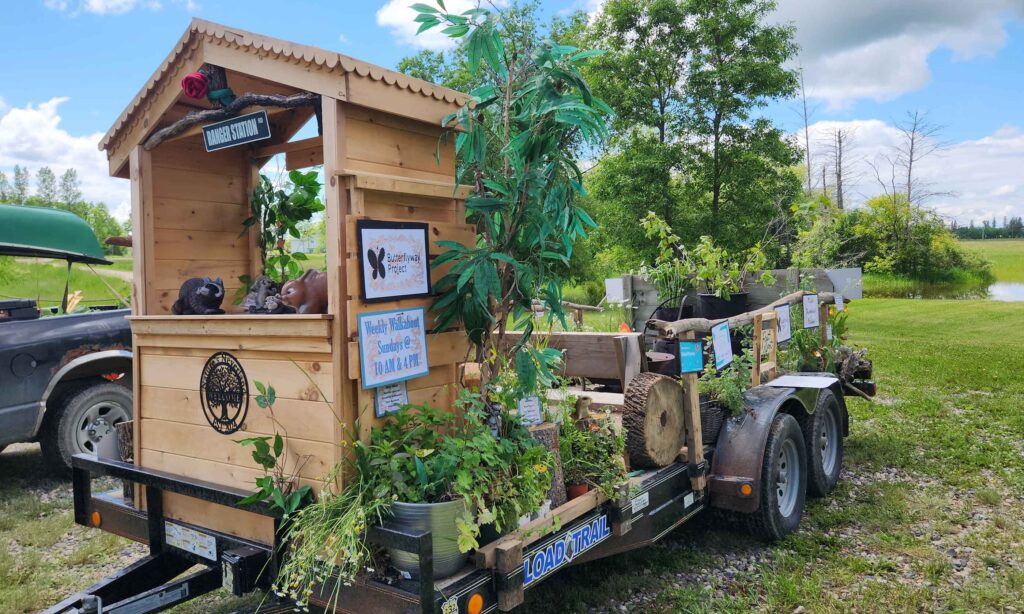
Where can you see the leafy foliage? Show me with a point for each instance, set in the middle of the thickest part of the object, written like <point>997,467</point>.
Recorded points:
<point>728,384</point>
<point>277,213</point>
<point>531,106</point>
<point>276,486</point>
<point>592,453</point>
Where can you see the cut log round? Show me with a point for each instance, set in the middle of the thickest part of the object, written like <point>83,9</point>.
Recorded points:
<point>652,415</point>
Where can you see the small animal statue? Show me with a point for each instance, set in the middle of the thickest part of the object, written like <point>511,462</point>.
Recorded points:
<point>265,297</point>
<point>307,294</point>
<point>199,296</point>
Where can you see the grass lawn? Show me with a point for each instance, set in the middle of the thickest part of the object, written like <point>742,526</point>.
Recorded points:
<point>29,278</point>
<point>929,515</point>
<point>1007,256</point>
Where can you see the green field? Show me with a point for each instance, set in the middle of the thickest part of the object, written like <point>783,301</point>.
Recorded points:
<point>929,515</point>
<point>1007,256</point>
<point>44,279</point>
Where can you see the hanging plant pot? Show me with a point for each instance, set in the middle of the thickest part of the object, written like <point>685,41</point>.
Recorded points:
<point>577,490</point>
<point>713,307</point>
<point>439,519</point>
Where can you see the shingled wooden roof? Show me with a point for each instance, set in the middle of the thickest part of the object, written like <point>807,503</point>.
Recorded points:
<point>303,67</point>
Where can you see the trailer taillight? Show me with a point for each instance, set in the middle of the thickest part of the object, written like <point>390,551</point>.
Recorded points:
<point>746,489</point>
<point>475,604</point>
<point>96,519</point>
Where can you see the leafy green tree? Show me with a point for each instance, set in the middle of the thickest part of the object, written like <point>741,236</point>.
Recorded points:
<point>735,67</point>
<point>5,187</point>
<point>69,191</point>
<point>46,185</point>
<point>20,192</point>
<point>532,106</point>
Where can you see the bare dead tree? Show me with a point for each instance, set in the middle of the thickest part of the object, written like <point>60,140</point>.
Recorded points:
<point>807,132</point>
<point>897,171</point>
<point>838,144</point>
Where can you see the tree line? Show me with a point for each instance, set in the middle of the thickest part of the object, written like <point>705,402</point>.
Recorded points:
<point>1012,228</point>
<point>61,193</point>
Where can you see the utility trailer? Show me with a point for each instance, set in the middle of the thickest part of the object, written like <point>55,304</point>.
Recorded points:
<point>378,141</point>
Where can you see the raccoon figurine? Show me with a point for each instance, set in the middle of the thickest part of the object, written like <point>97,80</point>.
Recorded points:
<point>199,296</point>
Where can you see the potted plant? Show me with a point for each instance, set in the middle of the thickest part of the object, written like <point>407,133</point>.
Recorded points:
<point>722,278</point>
<point>593,455</point>
<point>672,271</point>
<point>721,394</point>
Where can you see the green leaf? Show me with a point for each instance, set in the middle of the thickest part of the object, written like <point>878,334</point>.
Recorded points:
<point>278,445</point>
<point>261,387</point>
<point>423,8</point>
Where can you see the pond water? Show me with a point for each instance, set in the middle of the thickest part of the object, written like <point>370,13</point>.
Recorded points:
<point>1006,291</point>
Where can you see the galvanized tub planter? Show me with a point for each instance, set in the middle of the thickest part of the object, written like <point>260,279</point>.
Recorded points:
<point>439,519</point>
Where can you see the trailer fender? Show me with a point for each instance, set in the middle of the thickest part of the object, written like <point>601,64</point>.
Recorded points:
<point>734,482</point>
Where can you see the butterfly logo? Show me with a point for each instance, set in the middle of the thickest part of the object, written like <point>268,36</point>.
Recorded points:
<point>376,262</point>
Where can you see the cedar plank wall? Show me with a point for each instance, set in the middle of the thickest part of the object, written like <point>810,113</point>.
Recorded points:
<point>376,149</point>
<point>199,202</point>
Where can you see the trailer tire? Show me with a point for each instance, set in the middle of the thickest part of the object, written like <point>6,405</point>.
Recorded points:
<point>83,408</point>
<point>783,481</point>
<point>823,433</point>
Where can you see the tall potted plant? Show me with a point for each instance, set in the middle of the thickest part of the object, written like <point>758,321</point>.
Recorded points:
<point>722,277</point>
<point>672,271</point>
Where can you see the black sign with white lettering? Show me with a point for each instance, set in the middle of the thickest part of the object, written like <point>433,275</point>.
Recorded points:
<point>236,131</point>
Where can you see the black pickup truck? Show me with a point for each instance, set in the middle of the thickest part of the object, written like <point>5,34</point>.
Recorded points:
<point>65,380</point>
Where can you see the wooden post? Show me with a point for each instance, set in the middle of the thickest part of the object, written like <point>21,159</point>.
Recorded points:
<point>691,418</point>
<point>510,560</point>
<point>823,322</point>
<point>760,365</point>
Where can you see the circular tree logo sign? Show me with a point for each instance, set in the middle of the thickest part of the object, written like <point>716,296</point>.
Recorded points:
<point>224,392</point>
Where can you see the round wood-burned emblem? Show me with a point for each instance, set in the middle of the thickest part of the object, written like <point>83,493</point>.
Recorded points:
<point>224,392</point>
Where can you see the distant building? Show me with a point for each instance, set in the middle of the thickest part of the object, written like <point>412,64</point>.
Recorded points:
<point>306,245</point>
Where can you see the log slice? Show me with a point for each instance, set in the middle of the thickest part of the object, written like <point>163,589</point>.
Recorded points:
<point>652,415</point>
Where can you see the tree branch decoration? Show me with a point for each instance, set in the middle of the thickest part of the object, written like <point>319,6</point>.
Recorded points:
<point>305,99</point>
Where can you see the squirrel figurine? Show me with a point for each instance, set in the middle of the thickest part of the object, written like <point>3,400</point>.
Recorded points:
<point>199,296</point>
<point>307,294</point>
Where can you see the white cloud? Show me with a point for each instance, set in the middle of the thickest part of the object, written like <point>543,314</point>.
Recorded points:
<point>31,137</point>
<point>975,172</point>
<point>113,7</point>
<point>879,49</point>
<point>342,39</point>
<point>397,16</point>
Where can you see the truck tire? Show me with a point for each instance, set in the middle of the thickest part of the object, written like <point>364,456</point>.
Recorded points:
<point>783,481</point>
<point>824,437</point>
<point>83,416</point>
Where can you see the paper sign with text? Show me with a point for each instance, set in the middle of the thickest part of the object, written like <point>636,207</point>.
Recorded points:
<point>839,302</point>
<point>812,317</point>
<point>394,259</point>
<point>529,411</point>
<point>722,344</point>
<point>828,332</point>
<point>392,346</point>
<point>691,357</point>
<point>785,326</point>
<point>390,398</point>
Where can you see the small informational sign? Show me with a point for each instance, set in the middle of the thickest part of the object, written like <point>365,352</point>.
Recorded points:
<point>828,331</point>
<point>615,290</point>
<point>530,412</point>
<point>812,317</point>
<point>722,344</point>
<point>240,130</point>
<point>785,329</point>
<point>640,502</point>
<point>839,303</point>
<point>394,259</point>
<point>190,540</point>
<point>691,357</point>
<point>392,346</point>
<point>390,398</point>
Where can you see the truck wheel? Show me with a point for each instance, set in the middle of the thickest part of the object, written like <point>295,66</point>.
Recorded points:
<point>783,481</point>
<point>824,437</point>
<point>83,417</point>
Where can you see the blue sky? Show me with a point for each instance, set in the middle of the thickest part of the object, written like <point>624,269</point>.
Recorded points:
<point>70,66</point>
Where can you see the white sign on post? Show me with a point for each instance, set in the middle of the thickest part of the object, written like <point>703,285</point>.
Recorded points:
<point>394,259</point>
<point>722,344</point>
<point>529,411</point>
<point>839,302</point>
<point>812,317</point>
<point>615,290</point>
<point>785,327</point>
<point>390,398</point>
<point>392,346</point>
<point>828,332</point>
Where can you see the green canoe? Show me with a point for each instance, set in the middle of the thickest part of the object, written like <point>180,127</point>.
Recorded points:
<point>47,233</point>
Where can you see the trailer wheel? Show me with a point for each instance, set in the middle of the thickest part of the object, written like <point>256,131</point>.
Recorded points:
<point>783,481</point>
<point>824,436</point>
<point>84,416</point>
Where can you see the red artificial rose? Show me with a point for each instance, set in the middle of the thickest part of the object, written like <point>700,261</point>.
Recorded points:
<point>195,85</point>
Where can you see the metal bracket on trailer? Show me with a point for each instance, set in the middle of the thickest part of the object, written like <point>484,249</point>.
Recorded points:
<point>149,584</point>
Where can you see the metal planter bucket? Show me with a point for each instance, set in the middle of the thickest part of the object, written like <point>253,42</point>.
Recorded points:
<point>439,519</point>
